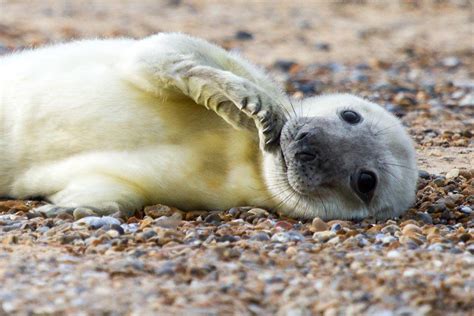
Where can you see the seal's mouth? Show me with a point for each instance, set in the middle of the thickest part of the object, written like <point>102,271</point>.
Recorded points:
<point>284,164</point>
<point>284,169</point>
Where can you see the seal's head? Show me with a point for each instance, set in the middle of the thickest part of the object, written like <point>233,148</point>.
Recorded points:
<point>343,158</point>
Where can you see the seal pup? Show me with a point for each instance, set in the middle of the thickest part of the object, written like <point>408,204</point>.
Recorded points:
<point>118,124</point>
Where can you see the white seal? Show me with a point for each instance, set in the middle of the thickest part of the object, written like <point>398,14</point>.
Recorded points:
<point>119,124</point>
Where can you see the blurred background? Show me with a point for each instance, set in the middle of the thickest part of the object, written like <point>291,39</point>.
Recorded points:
<point>264,30</point>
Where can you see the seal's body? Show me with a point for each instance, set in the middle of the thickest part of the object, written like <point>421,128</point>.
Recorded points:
<point>119,124</point>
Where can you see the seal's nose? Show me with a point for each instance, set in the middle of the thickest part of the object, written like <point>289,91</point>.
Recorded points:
<point>301,134</point>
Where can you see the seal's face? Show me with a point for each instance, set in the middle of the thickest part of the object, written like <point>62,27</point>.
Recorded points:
<point>344,158</point>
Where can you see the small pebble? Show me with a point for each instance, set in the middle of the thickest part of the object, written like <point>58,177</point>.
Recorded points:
<point>243,35</point>
<point>319,225</point>
<point>169,221</point>
<point>394,254</point>
<point>336,227</point>
<point>260,237</point>
<point>466,210</point>
<point>284,237</point>
<point>323,236</point>
<point>284,225</point>
<point>390,229</point>
<point>258,212</point>
<point>411,228</point>
<point>158,210</point>
<point>213,218</point>
<point>451,62</point>
<point>388,240</point>
<point>453,173</point>
<point>468,100</point>
<point>424,174</point>
<point>323,46</point>
<point>439,181</point>
<point>284,65</point>
<point>424,217</point>
<point>112,233</point>
<point>96,222</point>
<point>82,212</point>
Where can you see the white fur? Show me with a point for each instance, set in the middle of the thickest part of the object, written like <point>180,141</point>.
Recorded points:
<point>95,123</point>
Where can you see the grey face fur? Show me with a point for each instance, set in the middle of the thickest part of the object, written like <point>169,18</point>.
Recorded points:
<point>345,157</point>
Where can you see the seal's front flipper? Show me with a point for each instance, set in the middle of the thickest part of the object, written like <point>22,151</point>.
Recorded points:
<point>231,96</point>
<point>211,77</point>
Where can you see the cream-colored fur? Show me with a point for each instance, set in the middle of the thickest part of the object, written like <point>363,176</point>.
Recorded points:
<point>83,124</point>
<point>119,124</point>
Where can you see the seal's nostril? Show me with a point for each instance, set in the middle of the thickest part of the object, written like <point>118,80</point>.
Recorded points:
<point>305,156</point>
<point>301,135</point>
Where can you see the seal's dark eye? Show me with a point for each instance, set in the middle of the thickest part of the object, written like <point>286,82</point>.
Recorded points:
<point>363,183</point>
<point>351,117</point>
<point>366,182</point>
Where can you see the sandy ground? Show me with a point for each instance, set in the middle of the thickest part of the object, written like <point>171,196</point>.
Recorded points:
<point>413,57</point>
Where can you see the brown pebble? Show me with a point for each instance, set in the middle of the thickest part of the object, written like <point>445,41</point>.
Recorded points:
<point>318,225</point>
<point>291,251</point>
<point>132,220</point>
<point>146,222</point>
<point>65,216</point>
<point>467,174</point>
<point>284,225</point>
<point>193,215</point>
<point>465,237</point>
<point>407,240</point>
<point>411,228</point>
<point>158,210</point>
<point>374,229</point>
